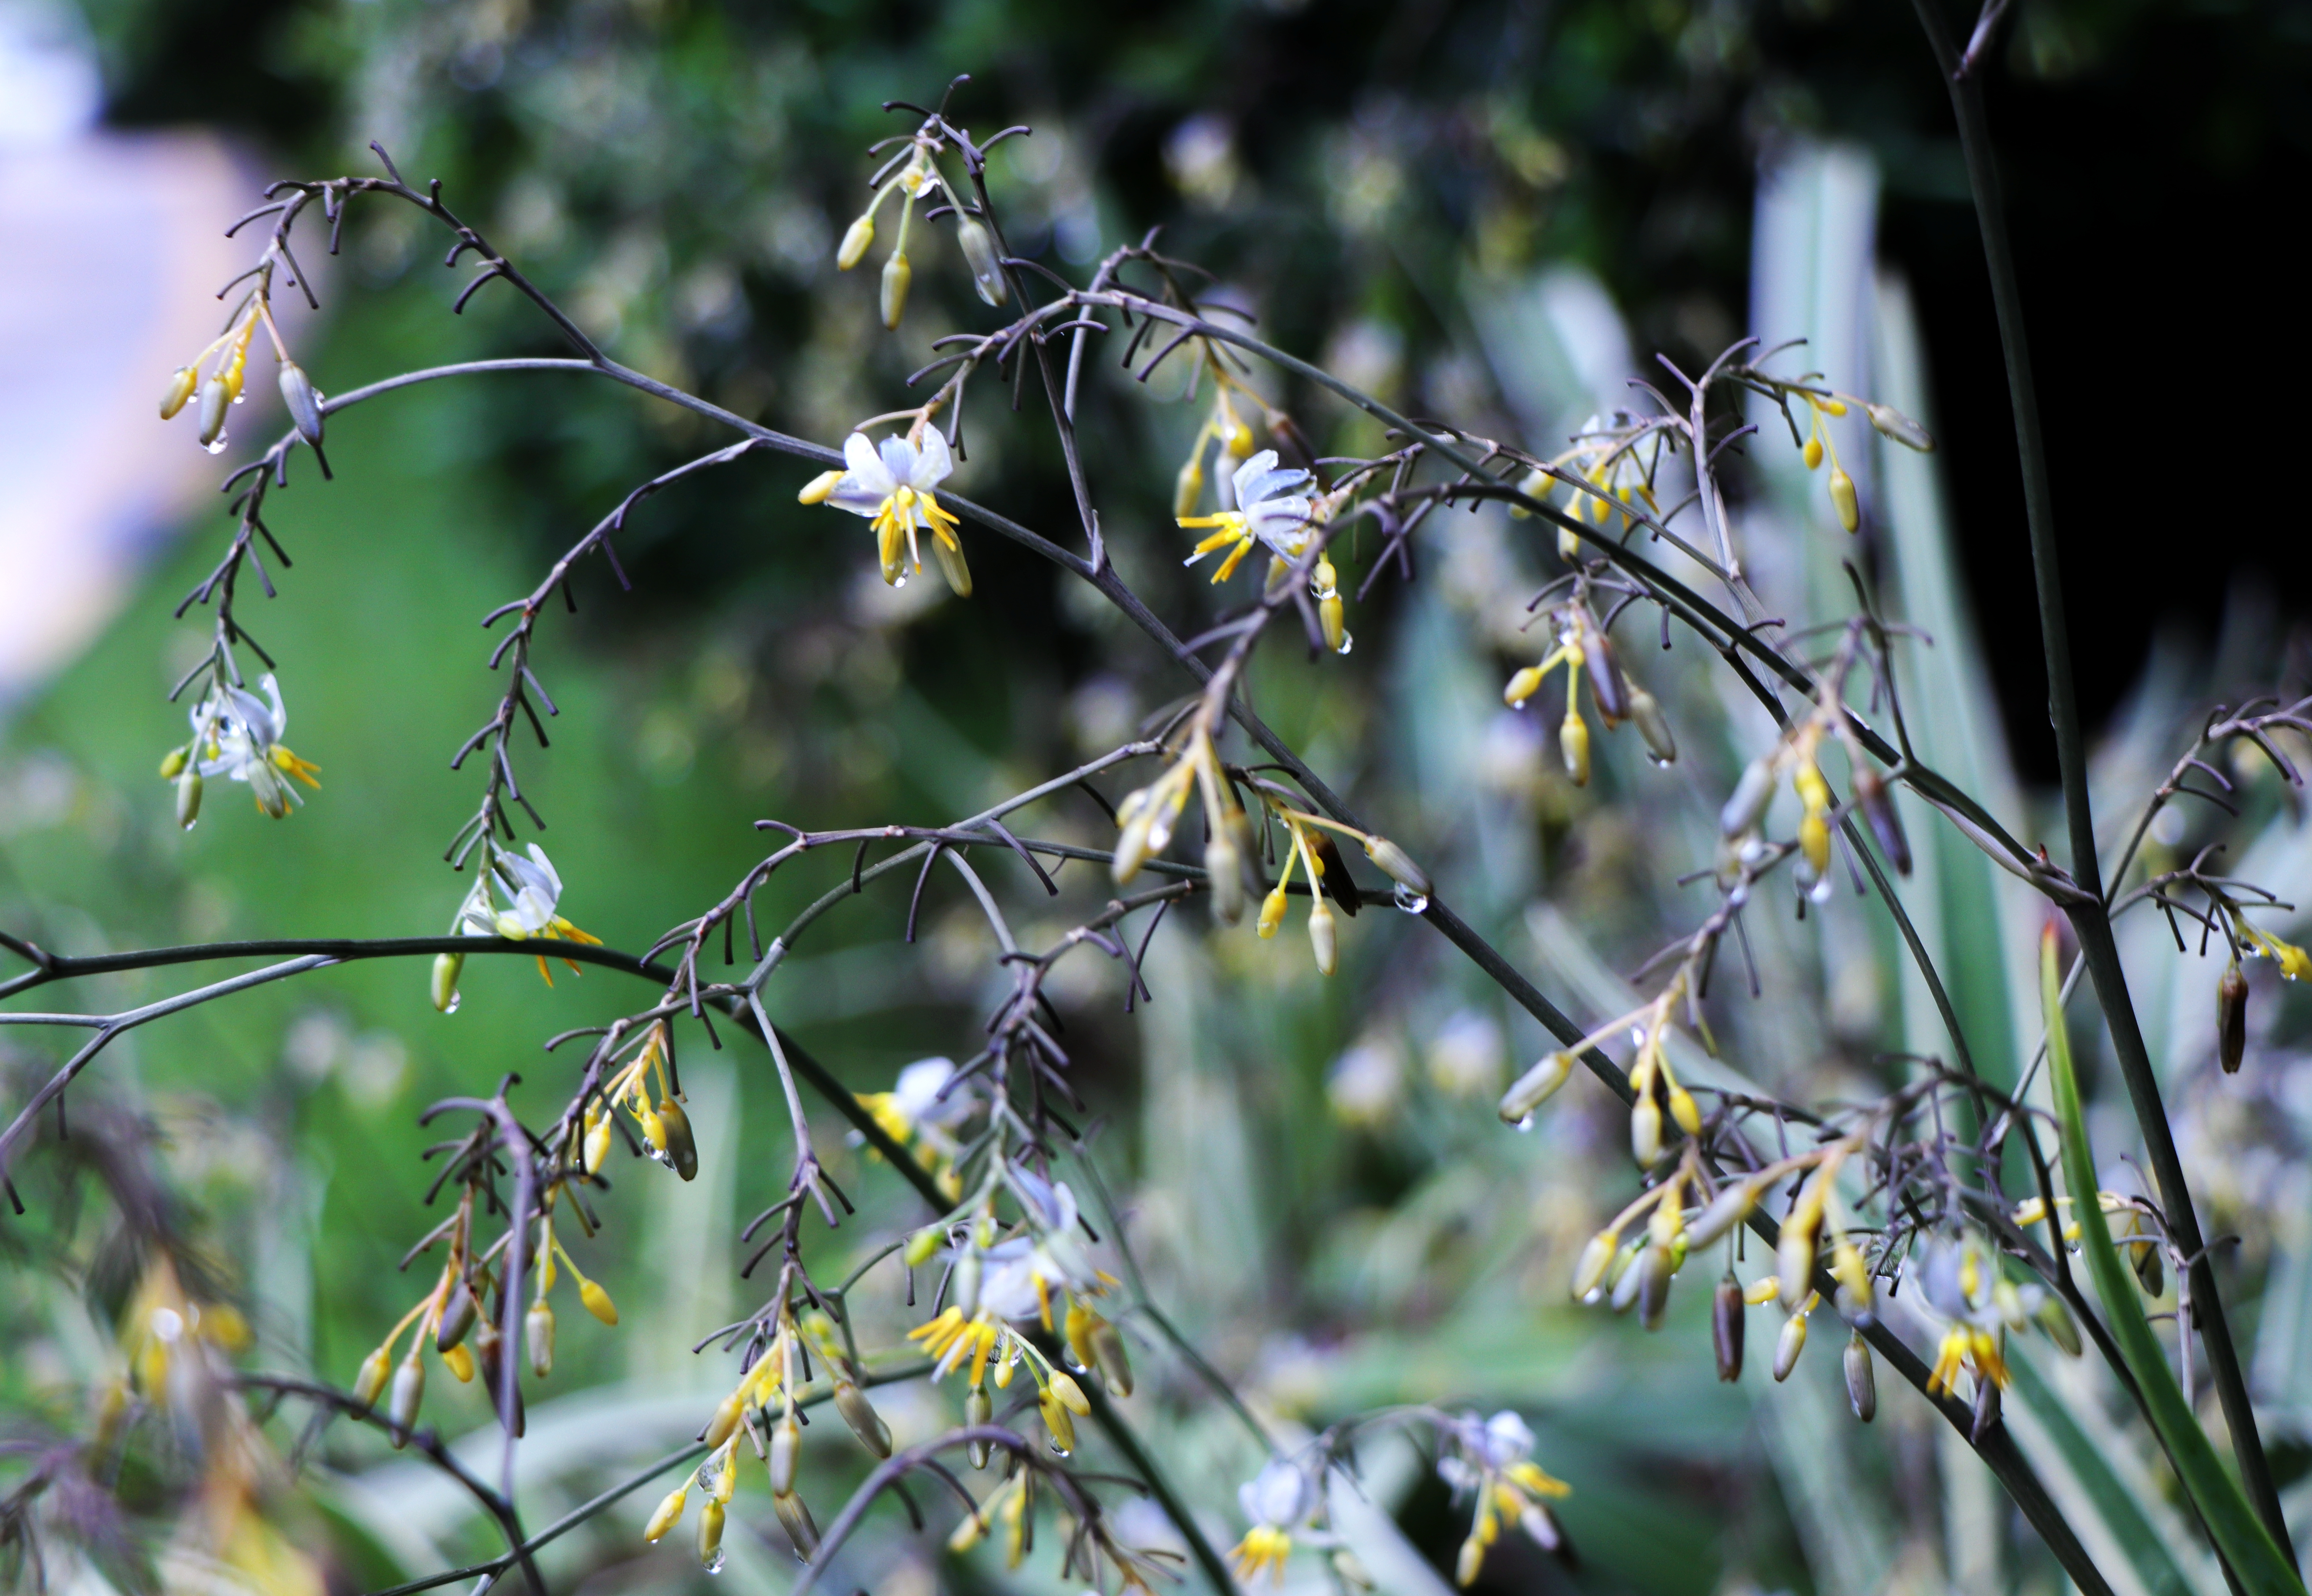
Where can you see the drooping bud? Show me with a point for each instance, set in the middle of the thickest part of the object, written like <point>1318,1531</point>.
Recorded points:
<point>597,1145</point>
<point>978,1410</point>
<point>1189,485</point>
<point>1653,726</point>
<point>1728,1321</point>
<point>896,275</point>
<point>181,384</point>
<point>1893,423</point>
<point>725,1419</point>
<point>303,404</point>
<point>2056,1322</point>
<point>1523,685</point>
<point>1654,1271</point>
<point>1886,824</point>
<point>1324,940</point>
<point>1861,1384</point>
<point>1589,1268</point>
<point>1748,805</point>
<point>1728,1209</point>
<point>1573,744</point>
<point>786,1449</point>
<point>1469,1562</point>
<point>860,1413</point>
<point>1224,875</point>
<point>856,238</point>
<point>216,401</point>
<point>1811,453</point>
<point>681,1147</point>
<point>1398,865</point>
<point>924,1244</point>
<point>1789,1345</point>
<point>1842,499</point>
<point>408,1392</point>
<point>963,1285</point>
<point>1535,1087</point>
<point>795,1519</point>
<point>537,1335</point>
<point>2231,1020</point>
<point>173,763</point>
<point>979,255</point>
<point>1631,1281</point>
<point>457,1317</point>
<point>189,798</point>
<point>371,1381</point>
<point>711,1515</point>
<point>1607,685</point>
<point>1646,1130</point>
<point>2150,1269</point>
<point>668,1515</point>
<point>598,1302</point>
<point>447,968</point>
<point>1113,1360</point>
<point>819,488</point>
<point>488,1350</point>
<point>1057,1422</point>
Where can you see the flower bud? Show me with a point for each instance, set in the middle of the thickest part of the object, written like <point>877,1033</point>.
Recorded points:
<point>979,255</point>
<point>216,400</point>
<point>681,1148</point>
<point>819,488</point>
<point>1470,1562</point>
<point>173,763</point>
<point>2150,1269</point>
<point>371,1381</point>
<point>725,1419</point>
<point>189,798</point>
<point>1188,487</point>
<point>978,1409</point>
<point>1653,1271</point>
<point>856,239</point>
<point>1631,1280</point>
<point>2056,1322</point>
<point>795,1519</point>
<point>951,564</point>
<point>1747,805</point>
<point>924,1244</point>
<point>537,1335</point>
<point>597,1145</point>
<point>1645,1130</point>
<point>786,1448</point>
<point>1886,824</point>
<point>896,275</point>
<point>1653,726</point>
<point>1324,941</point>
<point>1522,686</point>
<point>1070,1395</point>
<point>1684,1112</point>
<point>1541,1527</point>
<point>1398,865</point>
<point>1058,1422</point>
<point>447,968</point>
<point>1237,437</point>
<point>457,1315</point>
<point>1789,1345</point>
<point>1224,875</point>
<point>1589,1268</point>
<point>1794,1256</point>
<point>711,1515</point>
<point>1534,1088</point>
<point>2231,1020</point>
<point>1573,744</point>
<point>460,1361</point>
<point>1861,1384</point>
<point>598,1302</point>
<point>860,1413</point>
<point>1811,453</point>
<point>1728,1209</point>
<point>968,1534</point>
<point>181,384</point>
<point>1113,1361</point>
<point>408,1392</point>
<point>1893,423</point>
<point>1728,1321</point>
<point>1607,685</point>
<point>303,404</point>
<point>1271,911</point>
<point>1842,499</point>
<point>1332,615</point>
<point>668,1515</point>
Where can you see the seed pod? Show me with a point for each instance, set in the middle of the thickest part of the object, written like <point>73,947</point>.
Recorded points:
<point>189,799</point>
<point>303,404</point>
<point>1727,1322</point>
<point>979,255</point>
<point>1573,745</point>
<point>1398,864</point>
<point>371,1381</point>
<point>408,1392</point>
<point>786,1449</point>
<point>181,384</point>
<point>860,1413</point>
<point>457,1317</point>
<point>598,1302</point>
<point>1224,875</point>
<point>1861,1384</point>
<point>1115,1363</point>
<point>1189,485</point>
<point>1842,499</point>
<point>1534,1088</point>
<point>1589,1268</point>
<point>711,1515</point>
<point>1653,726</point>
<point>2231,1020</point>
<point>978,1409</point>
<point>681,1147</point>
<point>795,1519</point>
<point>1789,1345</point>
<point>896,275</point>
<point>1893,423</point>
<point>1653,1271</point>
<point>819,488</point>
<point>537,1335</point>
<point>1322,940</point>
<point>1747,805</point>
<point>1607,685</point>
<point>856,238</point>
<point>1886,823</point>
<point>216,400</point>
<point>668,1515</point>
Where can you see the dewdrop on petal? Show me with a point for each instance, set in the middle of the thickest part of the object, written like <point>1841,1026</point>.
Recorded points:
<point>896,275</point>
<point>1534,1088</point>
<point>856,238</point>
<point>1842,498</point>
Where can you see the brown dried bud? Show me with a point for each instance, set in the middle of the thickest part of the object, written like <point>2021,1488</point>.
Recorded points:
<point>1728,1321</point>
<point>1607,684</point>
<point>1861,1384</point>
<point>1886,824</point>
<point>2231,1020</point>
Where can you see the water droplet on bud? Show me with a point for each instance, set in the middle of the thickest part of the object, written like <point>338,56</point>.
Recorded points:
<point>216,445</point>
<point>1526,1122</point>
<point>1410,901</point>
<point>455,999</point>
<point>1347,643</point>
<point>714,1565</point>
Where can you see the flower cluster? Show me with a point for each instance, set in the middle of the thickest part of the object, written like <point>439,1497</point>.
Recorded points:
<point>532,888</point>
<point>227,360</point>
<point>1491,1460</point>
<point>921,1113</point>
<point>1583,641</point>
<point>892,484</point>
<point>237,735</point>
<point>915,175</point>
<point>1612,462</point>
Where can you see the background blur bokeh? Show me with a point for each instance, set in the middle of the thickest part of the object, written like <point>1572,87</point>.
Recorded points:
<point>1496,212</point>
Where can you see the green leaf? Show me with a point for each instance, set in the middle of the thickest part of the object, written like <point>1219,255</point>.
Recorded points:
<point>2254,1559</point>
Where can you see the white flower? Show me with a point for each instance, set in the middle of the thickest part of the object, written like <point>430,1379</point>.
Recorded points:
<point>1271,509</point>
<point>534,889</point>
<point>1278,1495</point>
<point>892,484</point>
<point>916,1096</point>
<point>238,736</point>
<point>1025,1270</point>
<point>1508,1440</point>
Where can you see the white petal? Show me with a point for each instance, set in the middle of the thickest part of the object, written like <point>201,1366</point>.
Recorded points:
<point>1273,484</point>
<point>1252,471</point>
<point>853,494</point>
<point>899,459</point>
<point>867,466</point>
<point>933,463</point>
<point>546,865</point>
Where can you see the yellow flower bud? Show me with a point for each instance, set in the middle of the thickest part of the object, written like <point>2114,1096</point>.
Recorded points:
<point>681,1149</point>
<point>598,1143</point>
<point>598,1302</point>
<point>819,488</point>
<point>1323,938</point>
<point>1471,1560</point>
<point>710,1536</point>
<point>1533,1087</point>
<point>1812,454</point>
<point>460,1361</point>
<point>669,1514</point>
<point>725,1420</point>
<point>371,1381</point>
<point>1789,1345</point>
<point>447,968</point>
<point>924,1244</point>
<point>1589,1268</point>
<point>1683,1110</point>
<point>172,764</point>
<point>181,384</point>
<point>1522,686</point>
<point>896,275</point>
<point>1573,744</point>
<point>1842,499</point>
<point>1271,911</point>
<point>1070,1394</point>
<point>856,238</point>
<point>1057,1420</point>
